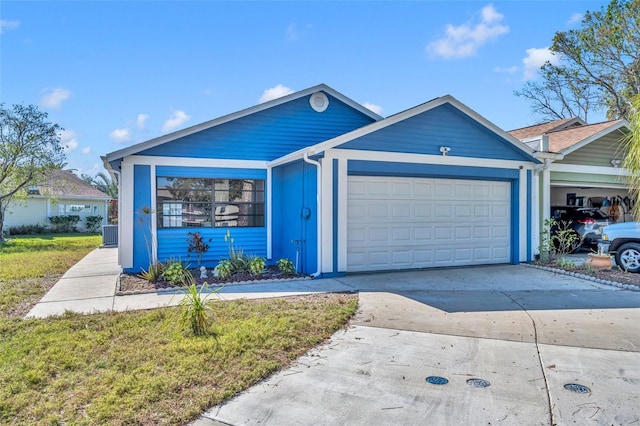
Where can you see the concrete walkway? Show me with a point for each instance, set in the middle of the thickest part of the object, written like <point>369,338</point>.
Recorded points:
<point>90,287</point>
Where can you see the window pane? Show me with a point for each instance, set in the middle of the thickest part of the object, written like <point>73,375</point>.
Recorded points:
<point>202,202</point>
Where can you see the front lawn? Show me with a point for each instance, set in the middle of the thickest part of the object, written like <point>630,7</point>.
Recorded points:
<point>141,367</point>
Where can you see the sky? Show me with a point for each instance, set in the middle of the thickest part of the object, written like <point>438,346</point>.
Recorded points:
<point>117,73</point>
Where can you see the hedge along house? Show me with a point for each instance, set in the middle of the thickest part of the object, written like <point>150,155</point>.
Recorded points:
<point>321,180</point>
<point>582,165</point>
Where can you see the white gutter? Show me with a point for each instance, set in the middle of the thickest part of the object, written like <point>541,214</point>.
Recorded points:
<point>318,165</point>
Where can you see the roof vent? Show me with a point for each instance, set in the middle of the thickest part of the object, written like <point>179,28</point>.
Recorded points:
<point>319,102</point>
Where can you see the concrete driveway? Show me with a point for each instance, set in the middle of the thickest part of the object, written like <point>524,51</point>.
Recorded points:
<point>507,338</point>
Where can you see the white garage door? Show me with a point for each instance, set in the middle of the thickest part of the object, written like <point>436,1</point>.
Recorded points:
<point>399,223</point>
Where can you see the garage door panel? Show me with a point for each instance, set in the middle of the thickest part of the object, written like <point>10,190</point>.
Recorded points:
<point>420,223</point>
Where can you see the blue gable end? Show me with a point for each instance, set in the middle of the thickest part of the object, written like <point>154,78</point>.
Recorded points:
<point>444,125</point>
<point>267,134</point>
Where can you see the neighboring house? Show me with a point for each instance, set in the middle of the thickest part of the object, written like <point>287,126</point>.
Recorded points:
<point>581,165</point>
<point>60,193</point>
<point>317,178</point>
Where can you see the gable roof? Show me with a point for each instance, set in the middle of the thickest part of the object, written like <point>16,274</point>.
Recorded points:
<point>116,155</point>
<point>401,116</point>
<point>64,183</point>
<point>568,140</point>
<point>543,128</point>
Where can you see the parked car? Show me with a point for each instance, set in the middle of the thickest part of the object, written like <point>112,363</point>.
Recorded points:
<point>587,222</point>
<point>623,241</point>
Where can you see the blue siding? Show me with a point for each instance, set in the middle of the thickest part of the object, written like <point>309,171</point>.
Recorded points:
<point>268,134</point>
<point>442,126</point>
<point>172,243</point>
<point>383,168</point>
<point>142,241</point>
<point>295,192</point>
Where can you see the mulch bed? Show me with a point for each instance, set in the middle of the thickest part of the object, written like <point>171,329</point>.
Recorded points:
<point>133,283</point>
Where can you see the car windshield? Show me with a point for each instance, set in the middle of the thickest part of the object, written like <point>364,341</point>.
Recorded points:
<point>594,214</point>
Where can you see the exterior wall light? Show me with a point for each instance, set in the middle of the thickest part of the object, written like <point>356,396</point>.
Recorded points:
<point>445,150</point>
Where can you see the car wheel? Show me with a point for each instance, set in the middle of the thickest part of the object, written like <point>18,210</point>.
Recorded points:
<point>628,257</point>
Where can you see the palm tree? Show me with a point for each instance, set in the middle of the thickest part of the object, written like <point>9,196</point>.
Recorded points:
<point>632,159</point>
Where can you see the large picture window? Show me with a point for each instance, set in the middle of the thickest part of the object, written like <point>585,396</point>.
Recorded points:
<point>204,202</point>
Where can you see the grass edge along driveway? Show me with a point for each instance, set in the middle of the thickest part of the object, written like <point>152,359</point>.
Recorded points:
<point>142,367</point>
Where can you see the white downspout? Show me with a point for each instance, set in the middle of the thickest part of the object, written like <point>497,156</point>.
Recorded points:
<point>318,165</point>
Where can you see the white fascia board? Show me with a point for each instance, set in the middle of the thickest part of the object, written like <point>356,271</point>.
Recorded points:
<point>236,115</point>
<point>540,155</point>
<point>604,132</point>
<point>400,157</point>
<point>593,170</point>
<point>193,162</point>
<point>389,121</point>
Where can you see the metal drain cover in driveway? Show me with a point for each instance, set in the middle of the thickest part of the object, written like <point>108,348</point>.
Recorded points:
<point>437,380</point>
<point>478,383</point>
<point>574,387</point>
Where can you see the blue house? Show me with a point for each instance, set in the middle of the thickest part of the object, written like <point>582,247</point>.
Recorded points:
<point>317,178</point>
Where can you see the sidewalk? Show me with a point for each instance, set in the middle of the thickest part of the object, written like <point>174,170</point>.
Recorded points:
<point>90,287</point>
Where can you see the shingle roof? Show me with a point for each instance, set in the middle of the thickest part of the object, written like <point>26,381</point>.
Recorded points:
<point>563,139</point>
<point>64,183</point>
<point>541,129</point>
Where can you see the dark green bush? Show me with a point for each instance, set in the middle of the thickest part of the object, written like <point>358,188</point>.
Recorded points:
<point>28,230</point>
<point>93,223</point>
<point>64,223</point>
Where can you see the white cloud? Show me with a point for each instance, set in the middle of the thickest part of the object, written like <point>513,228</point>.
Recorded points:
<point>575,18</point>
<point>295,34</point>
<point>535,59</point>
<point>141,120</point>
<point>53,97</point>
<point>275,93</point>
<point>8,25</point>
<point>511,70</point>
<point>121,135</point>
<point>86,150</point>
<point>177,119</point>
<point>373,107</point>
<point>465,40</point>
<point>69,140</point>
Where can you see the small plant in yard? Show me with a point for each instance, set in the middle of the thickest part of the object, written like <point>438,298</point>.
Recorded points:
<point>154,273</point>
<point>176,272</point>
<point>197,245</point>
<point>564,263</point>
<point>256,265</point>
<point>286,266</point>
<point>224,269</point>
<point>195,308</point>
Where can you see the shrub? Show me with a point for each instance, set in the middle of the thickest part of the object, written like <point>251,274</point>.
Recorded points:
<point>197,245</point>
<point>28,230</point>
<point>93,223</point>
<point>64,223</point>
<point>176,272</point>
<point>224,269</point>
<point>256,265</point>
<point>286,267</point>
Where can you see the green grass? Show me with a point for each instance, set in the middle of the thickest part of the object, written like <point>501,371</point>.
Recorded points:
<point>140,367</point>
<point>41,255</point>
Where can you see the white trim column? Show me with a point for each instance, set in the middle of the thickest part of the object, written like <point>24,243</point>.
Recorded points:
<point>125,221</point>
<point>327,213</point>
